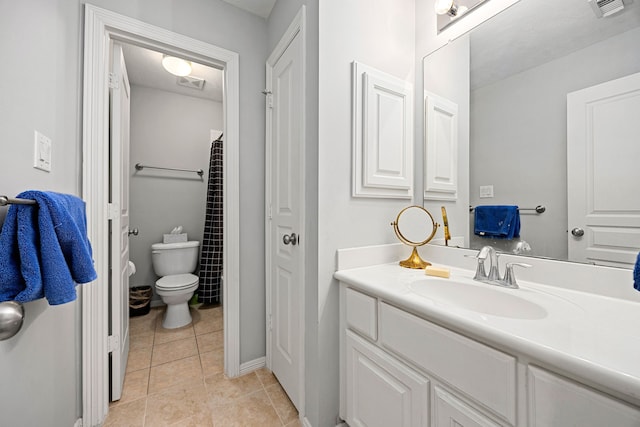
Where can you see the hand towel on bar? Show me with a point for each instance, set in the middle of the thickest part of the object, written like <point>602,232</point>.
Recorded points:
<point>499,221</point>
<point>636,274</point>
<point>44,249</point>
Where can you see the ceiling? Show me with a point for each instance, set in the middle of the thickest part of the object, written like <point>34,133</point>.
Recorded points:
<point>145,69</point>
<point>257,7</point>
<point>533,32</point>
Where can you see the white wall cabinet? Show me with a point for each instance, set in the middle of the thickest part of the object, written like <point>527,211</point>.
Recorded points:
<point>399,369</point>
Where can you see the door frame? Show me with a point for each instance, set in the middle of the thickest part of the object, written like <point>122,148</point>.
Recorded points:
<point>296,28</point>
<point>101,27</point>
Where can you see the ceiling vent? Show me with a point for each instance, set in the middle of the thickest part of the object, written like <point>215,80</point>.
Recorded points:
<point>191,82</point>
<point>604,8</point>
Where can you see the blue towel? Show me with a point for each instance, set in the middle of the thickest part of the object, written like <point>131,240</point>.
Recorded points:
<point>636,274</point>
<point>44,249</point>
<point>501,221</point>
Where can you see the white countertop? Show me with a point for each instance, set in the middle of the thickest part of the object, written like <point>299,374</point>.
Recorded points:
<point>591,337</point>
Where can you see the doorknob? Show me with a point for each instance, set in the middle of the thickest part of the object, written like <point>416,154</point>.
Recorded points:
<point>133,231</point>
<point>290,239</point>
<point>578,232</point>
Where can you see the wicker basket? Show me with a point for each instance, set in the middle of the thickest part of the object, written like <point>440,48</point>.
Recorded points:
<point>140,300</point>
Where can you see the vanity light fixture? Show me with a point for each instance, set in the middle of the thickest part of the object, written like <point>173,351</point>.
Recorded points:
<point>176,66</point>
<point>446,7</point>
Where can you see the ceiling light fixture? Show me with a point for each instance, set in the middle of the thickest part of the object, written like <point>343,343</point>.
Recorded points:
<point>446,7</point>
<point>176,66</point>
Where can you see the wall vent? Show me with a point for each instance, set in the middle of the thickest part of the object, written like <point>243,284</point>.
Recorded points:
<point>191,82</point>
<point>604,8</point>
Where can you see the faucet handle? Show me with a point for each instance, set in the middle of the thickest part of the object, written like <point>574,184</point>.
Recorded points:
<point>481,273</point>
<point>509,277</point>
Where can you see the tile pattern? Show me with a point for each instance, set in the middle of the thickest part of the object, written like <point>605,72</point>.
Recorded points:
<point>176,378</point>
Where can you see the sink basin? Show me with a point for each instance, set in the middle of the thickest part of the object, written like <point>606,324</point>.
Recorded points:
<point>481,298</point>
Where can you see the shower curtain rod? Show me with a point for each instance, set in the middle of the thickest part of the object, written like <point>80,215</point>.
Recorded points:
<point>140,166</point>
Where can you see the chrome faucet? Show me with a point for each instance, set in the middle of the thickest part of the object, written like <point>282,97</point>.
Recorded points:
<point>494,271</point>
<point>493,278</point>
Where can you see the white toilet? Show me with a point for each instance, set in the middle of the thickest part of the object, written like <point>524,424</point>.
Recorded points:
<point>174,263</point>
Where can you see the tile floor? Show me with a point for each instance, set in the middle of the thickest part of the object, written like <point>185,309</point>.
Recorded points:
<point>175,378</point>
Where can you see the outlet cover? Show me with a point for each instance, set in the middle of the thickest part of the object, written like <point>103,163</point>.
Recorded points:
<point>486,191</point>
<point>42,152</point>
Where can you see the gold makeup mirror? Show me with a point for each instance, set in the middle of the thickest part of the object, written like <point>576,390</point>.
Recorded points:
<point>415,227</point>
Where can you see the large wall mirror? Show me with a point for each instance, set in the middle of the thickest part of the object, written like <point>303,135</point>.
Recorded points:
<point>529,82</point>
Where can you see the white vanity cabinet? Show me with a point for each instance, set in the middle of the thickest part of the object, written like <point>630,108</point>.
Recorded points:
<point>558,401</point>
<point>399,369</point>
<point>394,364</point>
<point>382,391</point>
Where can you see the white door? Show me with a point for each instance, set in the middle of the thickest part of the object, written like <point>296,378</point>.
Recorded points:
<point>285,198</point>
<point>603,173</point>
<point>119,215</point>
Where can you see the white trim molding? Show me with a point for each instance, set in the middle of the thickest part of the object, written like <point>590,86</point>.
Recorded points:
<point>101,28</point>
<point>382,117</point>
<point>440,148</point>
<point>252,365</point>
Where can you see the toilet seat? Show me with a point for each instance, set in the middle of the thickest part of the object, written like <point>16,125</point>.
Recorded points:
<point>176,282</point>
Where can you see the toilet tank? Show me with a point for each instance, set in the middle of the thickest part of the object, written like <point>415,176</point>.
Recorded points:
<point>174,258</point>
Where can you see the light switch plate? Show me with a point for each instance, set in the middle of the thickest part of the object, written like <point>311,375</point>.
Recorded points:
<point>42,152</point>
<point>486,191</point>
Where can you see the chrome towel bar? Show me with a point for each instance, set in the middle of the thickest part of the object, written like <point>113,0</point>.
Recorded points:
<point>4,201</point>
<point>140,166</point>
<point>539,209</point>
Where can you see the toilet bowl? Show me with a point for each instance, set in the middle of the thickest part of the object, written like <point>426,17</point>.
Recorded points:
<point>175,262</point>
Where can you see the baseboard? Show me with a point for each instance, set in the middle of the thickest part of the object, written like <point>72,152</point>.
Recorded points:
<point>78,423</point>
<point>252,365</point>
<point>305,422</point>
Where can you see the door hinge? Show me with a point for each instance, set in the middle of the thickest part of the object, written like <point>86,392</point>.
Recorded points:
<point>113,343</point>
<point>113,211</point>
<point>269,96</point>
<point>270,212</point>
<point>113,81</point>
<point>270,322</point>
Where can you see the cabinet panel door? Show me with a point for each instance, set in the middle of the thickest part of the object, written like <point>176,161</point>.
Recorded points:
<point>556,401</point>
<point>449,411</point>
<point>381,392</point>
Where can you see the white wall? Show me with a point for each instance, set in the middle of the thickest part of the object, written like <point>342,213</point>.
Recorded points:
<point>44,37</point>
<point>168,130</point>
<point>519,134</point>
<point>380,34</point>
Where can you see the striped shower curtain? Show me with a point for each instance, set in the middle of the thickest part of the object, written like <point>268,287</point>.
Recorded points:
<point>209,289</point>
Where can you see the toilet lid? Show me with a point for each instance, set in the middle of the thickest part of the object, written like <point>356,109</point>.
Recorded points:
<point>177,281</point>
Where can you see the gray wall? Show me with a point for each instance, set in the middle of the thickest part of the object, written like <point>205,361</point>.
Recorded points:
<point>44,37</point>
<point>41,366</point>
<point>168,130</point>
<point>519,131</point>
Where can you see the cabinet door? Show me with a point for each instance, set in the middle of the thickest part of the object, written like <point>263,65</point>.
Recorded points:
<point>449,411</point>
<point>381,391</point>
<point>556,401</point>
